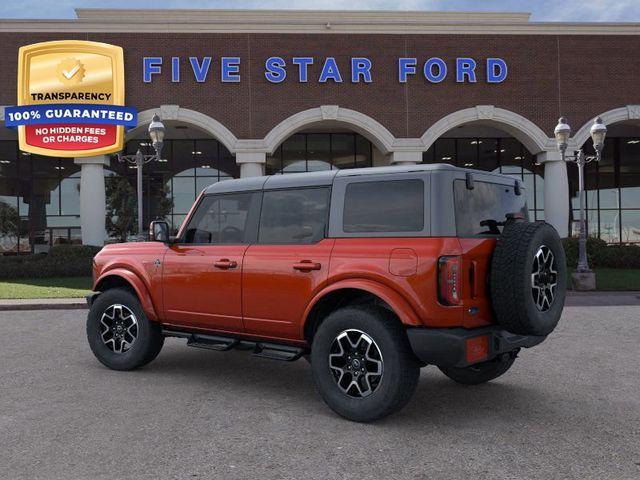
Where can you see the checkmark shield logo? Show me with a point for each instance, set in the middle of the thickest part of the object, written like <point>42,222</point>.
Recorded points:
<point>70,71</point>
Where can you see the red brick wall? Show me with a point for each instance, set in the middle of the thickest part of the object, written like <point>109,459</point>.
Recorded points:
<point>578,76</point>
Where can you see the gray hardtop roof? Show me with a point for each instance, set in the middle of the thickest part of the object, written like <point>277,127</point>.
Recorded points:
<point>326,177</point>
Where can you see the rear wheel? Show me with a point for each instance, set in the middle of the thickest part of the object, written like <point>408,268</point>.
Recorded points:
<point>119,333</point>
<point>362,363</point>
<point>480,372</point>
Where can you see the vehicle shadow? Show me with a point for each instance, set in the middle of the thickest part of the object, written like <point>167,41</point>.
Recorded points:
<point>436,400</point>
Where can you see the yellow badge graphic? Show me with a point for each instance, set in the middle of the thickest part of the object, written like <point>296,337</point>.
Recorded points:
<point>71,99</point>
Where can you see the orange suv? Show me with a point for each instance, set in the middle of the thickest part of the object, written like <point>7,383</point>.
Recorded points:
<point>370,274</point>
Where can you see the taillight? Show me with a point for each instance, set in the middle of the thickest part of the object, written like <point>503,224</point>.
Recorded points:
<point>449,280</point>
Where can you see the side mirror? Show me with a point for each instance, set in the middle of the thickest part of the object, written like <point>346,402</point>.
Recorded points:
<point>159,231</point>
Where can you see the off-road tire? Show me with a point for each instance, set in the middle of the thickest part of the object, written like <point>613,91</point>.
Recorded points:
<point>511,289</point>
<point>400,369</point>
<point>144,349</point>
<point>480,372</point>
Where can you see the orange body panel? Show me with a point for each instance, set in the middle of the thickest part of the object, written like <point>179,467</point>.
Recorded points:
<point>267,291</point>
<point>476,260</point>
<point>374,260</point>
<point>276,286</point>
<point>136,264</point>
<point>202,286</point>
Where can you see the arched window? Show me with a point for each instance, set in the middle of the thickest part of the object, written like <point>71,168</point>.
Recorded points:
<point>307,152</point>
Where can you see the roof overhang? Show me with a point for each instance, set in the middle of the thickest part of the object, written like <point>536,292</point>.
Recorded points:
<point>310,21</point>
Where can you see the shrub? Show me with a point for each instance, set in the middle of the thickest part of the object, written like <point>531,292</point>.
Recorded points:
<point>601,255</point>
<point>61,261</point>
<point>618,256</point>
<point>71,251</point>
<point>571,249</point>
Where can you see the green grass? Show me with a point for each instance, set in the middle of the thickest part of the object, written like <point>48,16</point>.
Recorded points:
<point>69,287</point>
<point>617,279</point>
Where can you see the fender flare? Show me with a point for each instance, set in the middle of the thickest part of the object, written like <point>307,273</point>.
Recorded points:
<point>138,286</point>
<point>398,304</point>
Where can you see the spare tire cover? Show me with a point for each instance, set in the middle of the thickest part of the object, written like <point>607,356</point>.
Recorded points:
<point>528,278</point>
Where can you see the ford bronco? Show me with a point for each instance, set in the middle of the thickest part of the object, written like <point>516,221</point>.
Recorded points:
<point>370,274</point>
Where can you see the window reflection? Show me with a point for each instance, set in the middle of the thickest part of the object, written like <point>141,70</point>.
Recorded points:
<point>612,186</point>
<point>37,196</point>
<point>41,195</point>
<point>170,186</point>
<point>630,225</point>
<point>499,155</point>
<point>310,152</point>
<point>612,190</point>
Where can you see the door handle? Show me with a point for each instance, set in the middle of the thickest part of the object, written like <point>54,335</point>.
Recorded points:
<point>225,264</point>
<point>306,266</point>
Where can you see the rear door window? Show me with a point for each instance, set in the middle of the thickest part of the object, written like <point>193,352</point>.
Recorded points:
<point>295,216</point>
<point>481,210</point>
<point>384,206</point>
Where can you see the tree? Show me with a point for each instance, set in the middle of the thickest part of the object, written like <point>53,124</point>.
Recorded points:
<point>162,200</point>
<point>122,208</point>
<point>9,221</point>
<point>122,214</point>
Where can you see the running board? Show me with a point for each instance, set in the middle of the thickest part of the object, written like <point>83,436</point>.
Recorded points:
<point>273,351</point>
<point>212,342</point>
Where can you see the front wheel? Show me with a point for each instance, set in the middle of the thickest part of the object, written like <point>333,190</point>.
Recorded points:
<point>119,333</point>
<point>480,372</point>
<point>362,363</point>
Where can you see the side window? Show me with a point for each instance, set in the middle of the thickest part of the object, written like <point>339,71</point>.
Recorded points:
<point>481,211</point>
<point>385,206</point>
<point>294,216</point>
<point>224,219</point>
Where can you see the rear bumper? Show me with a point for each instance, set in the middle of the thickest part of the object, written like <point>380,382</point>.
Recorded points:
<point>459,347</point>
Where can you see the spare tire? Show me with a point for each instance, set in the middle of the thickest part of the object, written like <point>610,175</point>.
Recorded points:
<point>528,278</point>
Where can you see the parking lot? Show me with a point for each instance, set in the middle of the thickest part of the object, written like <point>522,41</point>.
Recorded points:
<point>568,409</point>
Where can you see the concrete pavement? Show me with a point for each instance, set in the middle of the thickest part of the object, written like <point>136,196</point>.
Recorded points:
<point>569,408</point>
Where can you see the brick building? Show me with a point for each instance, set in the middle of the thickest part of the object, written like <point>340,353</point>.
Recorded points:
<point>268,92</point>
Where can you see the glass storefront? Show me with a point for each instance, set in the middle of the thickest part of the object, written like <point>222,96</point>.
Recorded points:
<point>500,155</point>
<point>612,186</point>
<point>40,196</point>
<point>308,152</point>
<point>39,200</point>
<point>170,187</point>
<point>613,191</point>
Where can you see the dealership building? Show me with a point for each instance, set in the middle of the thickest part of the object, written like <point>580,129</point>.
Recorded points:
<point>246,93</point>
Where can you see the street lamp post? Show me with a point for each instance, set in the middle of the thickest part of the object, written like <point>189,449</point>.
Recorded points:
<point>156,133</point>
<point>562,133</point>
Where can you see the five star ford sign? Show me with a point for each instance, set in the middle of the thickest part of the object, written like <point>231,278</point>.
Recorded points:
<point>70,99</point>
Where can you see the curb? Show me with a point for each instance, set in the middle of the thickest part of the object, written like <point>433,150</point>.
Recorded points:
<point>574,299</point>
<point>43,304</point>
<point>602,299</point>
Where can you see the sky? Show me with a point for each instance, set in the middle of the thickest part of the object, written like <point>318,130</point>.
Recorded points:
<point>542,10</point>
